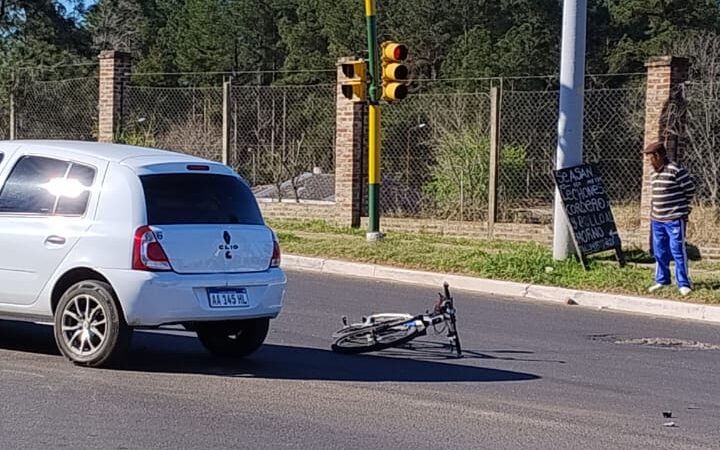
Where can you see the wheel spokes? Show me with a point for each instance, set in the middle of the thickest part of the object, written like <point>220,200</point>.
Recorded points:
<point>379,335</point>
<point>70,328</point>
<point>84,325</point>
<point>75,336</point>
<point>96,332</point>
<point>72,315</point>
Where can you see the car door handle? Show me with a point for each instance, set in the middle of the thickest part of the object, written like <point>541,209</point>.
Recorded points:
<point>56,240</point>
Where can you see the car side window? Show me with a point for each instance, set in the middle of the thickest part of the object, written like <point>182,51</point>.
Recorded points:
<point>28,187</point>
<point>2,155</point>
<point>75,199</point>
<point>39,185</point>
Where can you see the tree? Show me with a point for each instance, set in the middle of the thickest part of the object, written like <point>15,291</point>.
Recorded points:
<point>118,25</point>
<point>643,28</point>
<point>502,39</point>
<point>306,44</point>
<point>429,28</point>
<point>343,26</point>
<point>198,46</point>
<point>159,57</point>
<point>36,32</point>
<point>470,56</point>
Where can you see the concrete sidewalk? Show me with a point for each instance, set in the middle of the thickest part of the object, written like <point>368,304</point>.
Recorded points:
<point>625,303</point>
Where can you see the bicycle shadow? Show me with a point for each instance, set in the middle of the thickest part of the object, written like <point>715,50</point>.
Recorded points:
<point>429,350</point>
<point>181,353</point>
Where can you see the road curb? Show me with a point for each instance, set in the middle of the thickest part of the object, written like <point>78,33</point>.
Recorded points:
<point>598,300</point>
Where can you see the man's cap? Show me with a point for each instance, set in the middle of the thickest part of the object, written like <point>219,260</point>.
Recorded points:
<point>655,147</point>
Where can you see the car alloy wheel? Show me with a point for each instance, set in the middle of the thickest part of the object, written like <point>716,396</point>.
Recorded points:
<point>89,326</point>
<point>84,325</point>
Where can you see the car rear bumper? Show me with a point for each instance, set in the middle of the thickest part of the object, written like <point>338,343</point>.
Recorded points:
<point>159,298</point>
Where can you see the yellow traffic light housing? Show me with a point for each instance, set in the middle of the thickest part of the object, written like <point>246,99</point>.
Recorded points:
<point>394,72</point>
<point>353,81</point>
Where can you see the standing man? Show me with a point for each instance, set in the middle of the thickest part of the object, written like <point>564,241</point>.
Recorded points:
<point>672,192</point>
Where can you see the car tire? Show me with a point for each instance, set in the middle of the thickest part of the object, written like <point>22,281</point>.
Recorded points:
<point>233,339</point>
<point>90,329</point>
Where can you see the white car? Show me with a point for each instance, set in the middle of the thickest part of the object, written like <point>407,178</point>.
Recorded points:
<point>99,239</point>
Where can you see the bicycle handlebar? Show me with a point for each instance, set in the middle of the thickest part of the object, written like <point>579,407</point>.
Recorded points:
<point>446,286</point>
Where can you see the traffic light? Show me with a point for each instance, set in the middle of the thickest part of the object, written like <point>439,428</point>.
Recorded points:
<point>353,82</point>
<point>394,72</point>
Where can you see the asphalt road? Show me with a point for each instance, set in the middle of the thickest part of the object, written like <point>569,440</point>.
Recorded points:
<point>534,376</point>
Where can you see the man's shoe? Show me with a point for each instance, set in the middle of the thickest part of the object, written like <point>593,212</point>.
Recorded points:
<point>685,291</point>
<point>657,287</point>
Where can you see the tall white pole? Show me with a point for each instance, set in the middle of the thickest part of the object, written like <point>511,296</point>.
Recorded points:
<point>570,123</point>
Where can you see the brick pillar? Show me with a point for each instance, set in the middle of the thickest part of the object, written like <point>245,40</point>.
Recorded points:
<point>114,75</point>
<point>349,142</point>
<point>664,115</point>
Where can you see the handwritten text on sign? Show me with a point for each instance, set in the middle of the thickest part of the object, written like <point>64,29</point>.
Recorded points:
<point>588,208</point>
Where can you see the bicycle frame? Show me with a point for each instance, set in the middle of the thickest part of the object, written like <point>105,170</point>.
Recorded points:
<point>391,329</point>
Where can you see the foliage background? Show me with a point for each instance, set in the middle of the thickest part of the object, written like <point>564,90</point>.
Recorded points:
<point>451,39</point>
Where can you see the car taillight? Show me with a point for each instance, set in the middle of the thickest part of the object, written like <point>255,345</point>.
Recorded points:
<point>275,261</point>
<point>148,254</point>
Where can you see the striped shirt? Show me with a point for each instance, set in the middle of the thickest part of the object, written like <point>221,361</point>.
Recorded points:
<point>672,192</point>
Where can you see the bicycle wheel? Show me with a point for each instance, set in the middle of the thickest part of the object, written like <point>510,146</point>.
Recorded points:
<point>454,337</point>
<point>376,337</point>
<point>375,319</point>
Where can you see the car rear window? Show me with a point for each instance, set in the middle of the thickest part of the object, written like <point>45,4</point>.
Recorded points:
<point>188,198</point>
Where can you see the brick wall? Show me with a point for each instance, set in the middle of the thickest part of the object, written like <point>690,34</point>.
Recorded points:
<point>290,210</point>
<point>349,140</point>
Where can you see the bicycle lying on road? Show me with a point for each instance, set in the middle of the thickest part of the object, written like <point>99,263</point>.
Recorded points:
<point>381,331</point>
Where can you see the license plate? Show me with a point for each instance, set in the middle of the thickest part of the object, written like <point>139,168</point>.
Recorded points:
<point>228,298</point>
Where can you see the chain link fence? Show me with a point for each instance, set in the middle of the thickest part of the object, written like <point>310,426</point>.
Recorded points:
<point>436,147</point>
<point>58,109</point>
<point>435,144</point>
<point>185,119</point>
<point>282,139</point>
<point>528,137</point>
<point>4,121</point>
<point>701,155</point>
<point>435,156</point>
<point>702,144</point>
<point>612,139</point>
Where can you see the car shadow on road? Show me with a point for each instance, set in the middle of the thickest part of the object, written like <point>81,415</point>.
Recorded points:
<point>27,337</point>
<point>181,353</point>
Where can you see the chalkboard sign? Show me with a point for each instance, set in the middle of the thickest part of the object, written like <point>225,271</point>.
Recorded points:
<point>587,207</point>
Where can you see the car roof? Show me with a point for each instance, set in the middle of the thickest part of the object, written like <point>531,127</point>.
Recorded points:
<point>118,153</point>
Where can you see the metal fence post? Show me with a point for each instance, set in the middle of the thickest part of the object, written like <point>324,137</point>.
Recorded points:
<point>494,157</point>
<point>12,106</point>
<point>226,123</point>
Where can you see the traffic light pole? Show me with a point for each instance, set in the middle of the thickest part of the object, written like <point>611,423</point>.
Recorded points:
<point>373,233</point>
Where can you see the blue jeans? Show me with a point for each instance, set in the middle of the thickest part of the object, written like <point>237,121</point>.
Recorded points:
<point>669,240</point>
